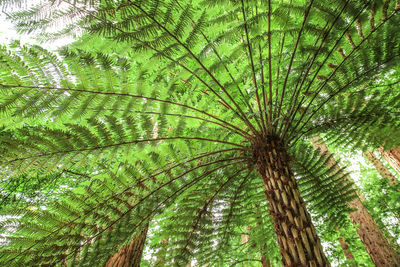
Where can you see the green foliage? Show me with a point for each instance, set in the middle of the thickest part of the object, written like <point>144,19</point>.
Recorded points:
<point>18,191</point>
<point>360,121</point>
<point>317,177</point>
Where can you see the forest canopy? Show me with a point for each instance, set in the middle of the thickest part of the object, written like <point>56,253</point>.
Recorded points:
<point>200,133</point>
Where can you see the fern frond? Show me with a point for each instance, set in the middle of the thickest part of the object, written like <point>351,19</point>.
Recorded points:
<point>325,187</point>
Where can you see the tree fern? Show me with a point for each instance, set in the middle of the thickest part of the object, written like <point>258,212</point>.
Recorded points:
<point>212,96</point>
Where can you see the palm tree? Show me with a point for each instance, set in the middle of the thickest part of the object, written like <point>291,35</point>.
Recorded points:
<point>213,107</point>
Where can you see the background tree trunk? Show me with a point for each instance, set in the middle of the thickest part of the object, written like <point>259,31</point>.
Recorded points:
<point>296,236</point>
<point>393,157</point>
<point>345,247</point>
<point>378,248</point>
<point>161,254</point>
<point>131,254</point>
<point>265,262</point>
<point>382,170</point>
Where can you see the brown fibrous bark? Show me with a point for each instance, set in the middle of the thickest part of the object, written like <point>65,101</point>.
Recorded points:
<point>296,235</point>
<point>131,254</point>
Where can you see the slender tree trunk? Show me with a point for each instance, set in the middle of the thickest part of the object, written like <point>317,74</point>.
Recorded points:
<point>265,262</point>
<point>382,170</point>
<point>296,236</point>
<point>345,248</point>
<point>161,254</point>
<point>131,254</point>
<point>378,248</point>
<point>393,157</point>
<point>391,239</point>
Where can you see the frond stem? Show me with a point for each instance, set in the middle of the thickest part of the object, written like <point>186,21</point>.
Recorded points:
<point>270,116</point>
<point>292,57</point>
<point>150,213</point>
<point>233,203</point>
<point>242,114</point>
<point>127,143</point>
<point>131,95</point>
<point>262,125</point>
<point>335,70</point>
<point>206,204</point>
<point>298,89</point>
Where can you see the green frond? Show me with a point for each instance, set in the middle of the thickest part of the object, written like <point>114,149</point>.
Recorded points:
<point>326,187</point>
<point>106,203</point>
<point>359,120</point>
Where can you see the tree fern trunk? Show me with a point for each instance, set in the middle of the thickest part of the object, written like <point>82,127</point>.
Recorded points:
<point>393,157</point>
<point>382,170</point>
<point>131,254</point>
<point>378,248</point>
<point>297,239</point>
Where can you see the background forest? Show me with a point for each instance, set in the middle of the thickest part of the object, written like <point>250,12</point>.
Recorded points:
<point>200,133</point>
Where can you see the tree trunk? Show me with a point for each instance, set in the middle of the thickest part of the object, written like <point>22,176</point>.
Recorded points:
<point>378,248</point>
<point>345,248</point>
<point>296,236</point>
<point>393,157</point>
<point>382,170</point>
<point>389,236</point>
<point>131,254</point>
<point>265,262</point>
<point>161,254</point>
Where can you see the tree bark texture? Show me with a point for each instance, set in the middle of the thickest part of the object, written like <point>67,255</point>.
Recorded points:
<point>345,247</point>
<point>393,157</point>
<point>377,246</point>
<point>265,262</point>
<point>382,170</point>
<point>162,253</point>
<point>296,236</point>
<point>131,254</point>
